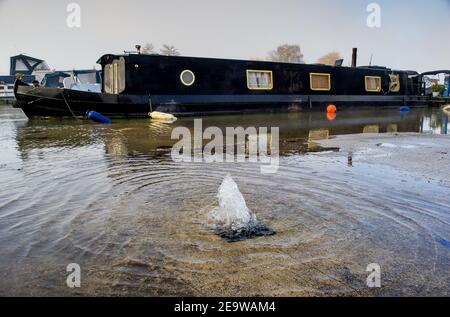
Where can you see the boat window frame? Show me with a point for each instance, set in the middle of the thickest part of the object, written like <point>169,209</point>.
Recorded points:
<point>122,75</point>
<point>372,77</point>
<point>399,86</point>
<point>108,79</point>
<point>184,82</point>
<point>114,76</point>
<point>270,72</point>
<point>319,74</point>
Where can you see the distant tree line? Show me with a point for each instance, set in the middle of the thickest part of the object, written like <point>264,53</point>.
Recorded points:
<point>166,49</point>
<point>329,59</point>
<point>286,53</point>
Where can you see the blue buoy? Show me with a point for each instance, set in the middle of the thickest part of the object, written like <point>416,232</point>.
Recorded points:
<point>98,117</point>
<point>444,243</point>
<point>405,108</point>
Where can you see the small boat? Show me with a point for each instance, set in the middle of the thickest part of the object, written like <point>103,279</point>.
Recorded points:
<point>6,93</point>
<point>136,85</point>
<point>36,71</point>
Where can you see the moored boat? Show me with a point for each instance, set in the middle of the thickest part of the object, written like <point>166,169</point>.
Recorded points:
<point>134,85</point>
<point>6,93</point>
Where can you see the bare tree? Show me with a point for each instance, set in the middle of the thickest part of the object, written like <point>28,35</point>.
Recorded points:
<point>330,58</point>
<point>170,50</point>
<point>287,53</point>
<point>148,48</point>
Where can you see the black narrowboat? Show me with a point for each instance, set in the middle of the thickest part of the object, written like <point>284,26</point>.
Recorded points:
<point>134,85</point>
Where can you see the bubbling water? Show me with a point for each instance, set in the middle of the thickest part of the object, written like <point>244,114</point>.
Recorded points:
<point>232,219</point>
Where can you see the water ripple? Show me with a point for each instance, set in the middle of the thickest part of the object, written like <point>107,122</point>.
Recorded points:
<point>112,200</point>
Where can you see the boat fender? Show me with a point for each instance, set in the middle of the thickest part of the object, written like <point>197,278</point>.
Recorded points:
<point>98,117</point>
<point>162,116</point>
<point>405,108</point>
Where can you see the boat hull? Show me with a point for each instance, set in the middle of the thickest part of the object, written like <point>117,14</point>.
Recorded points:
<point>59,102</point>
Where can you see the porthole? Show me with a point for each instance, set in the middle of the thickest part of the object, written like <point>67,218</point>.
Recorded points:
<point>187,77</point>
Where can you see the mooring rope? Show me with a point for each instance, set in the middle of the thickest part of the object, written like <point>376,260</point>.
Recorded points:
<point>150,102</point>
<point>67,104</point>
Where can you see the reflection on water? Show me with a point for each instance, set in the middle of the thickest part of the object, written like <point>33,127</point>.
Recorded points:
<point>111,199</point>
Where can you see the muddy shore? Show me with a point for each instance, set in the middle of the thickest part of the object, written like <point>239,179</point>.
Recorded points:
<point>419,155</point>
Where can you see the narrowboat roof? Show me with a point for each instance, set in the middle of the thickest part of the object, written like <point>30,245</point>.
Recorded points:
<point>107,58</point>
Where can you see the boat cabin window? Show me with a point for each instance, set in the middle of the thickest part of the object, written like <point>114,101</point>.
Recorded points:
<point>187,77</point>
<point>42,66</point>
<point>259,79</point>
<point>20,66</point>
<point>114,77</point>
<point>394,85</point>
<point>373,83</point>
<point>2,87</point>
<point>320,81</point>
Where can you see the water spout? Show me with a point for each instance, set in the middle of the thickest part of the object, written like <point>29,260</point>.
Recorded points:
<point>232,219</point>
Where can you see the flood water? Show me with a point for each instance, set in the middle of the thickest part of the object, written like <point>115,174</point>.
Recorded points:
<point>111,199</point>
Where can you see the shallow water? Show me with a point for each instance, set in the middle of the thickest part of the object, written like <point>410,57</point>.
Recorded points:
<point>111,199</point>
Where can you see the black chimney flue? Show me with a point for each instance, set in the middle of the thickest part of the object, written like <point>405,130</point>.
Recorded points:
<point>354,57</point>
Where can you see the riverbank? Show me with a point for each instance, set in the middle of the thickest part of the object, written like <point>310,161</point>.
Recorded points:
<point>425,156</point>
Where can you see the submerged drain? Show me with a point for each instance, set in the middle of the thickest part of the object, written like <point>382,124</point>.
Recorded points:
<point>258,229</point>
<point>233,220</point>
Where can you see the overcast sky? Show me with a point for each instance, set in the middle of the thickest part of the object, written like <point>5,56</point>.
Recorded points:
<point>414,34</point>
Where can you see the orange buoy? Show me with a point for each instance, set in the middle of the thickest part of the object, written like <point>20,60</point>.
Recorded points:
<point>331,109</point>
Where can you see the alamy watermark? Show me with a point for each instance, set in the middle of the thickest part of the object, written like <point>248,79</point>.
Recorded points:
<point>374,17</point>
<point>374,278</point>
<point>74,278</point>
<point>238,145</point>
<point>73,19</point>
